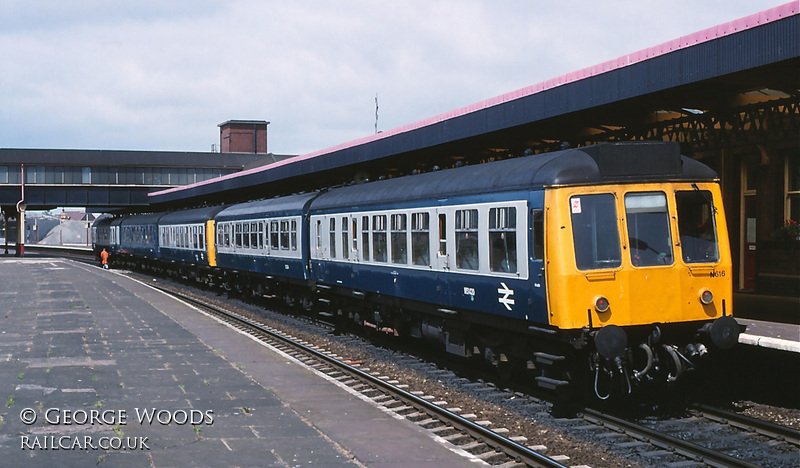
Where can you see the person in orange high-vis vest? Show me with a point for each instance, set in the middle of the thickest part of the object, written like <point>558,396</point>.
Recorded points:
<point>104,259</point>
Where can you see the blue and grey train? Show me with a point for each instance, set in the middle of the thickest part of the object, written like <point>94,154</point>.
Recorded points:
<point>607,265</point>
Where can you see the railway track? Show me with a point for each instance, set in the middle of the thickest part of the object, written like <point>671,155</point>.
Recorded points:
<point>706,436</point>
<point>695,450</point>
<point>748,424</point>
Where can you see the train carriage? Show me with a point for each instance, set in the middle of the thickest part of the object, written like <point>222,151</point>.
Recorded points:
<point>616,250</point>
<point>138,237</point>
<point>263,243</point>
<point>101,234</point>
<point>433,244</point>
<point>187,237</point>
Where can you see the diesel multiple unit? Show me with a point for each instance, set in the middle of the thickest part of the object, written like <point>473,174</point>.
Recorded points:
<point>605,267</point>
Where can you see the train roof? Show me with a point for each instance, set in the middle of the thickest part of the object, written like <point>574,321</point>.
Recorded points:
<point>196,215</point>
<point>604,163</point>
<point>150,218</point>
<point>283,206</point>
<point>103,221</point>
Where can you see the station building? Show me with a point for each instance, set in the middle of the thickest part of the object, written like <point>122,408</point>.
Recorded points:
<point>114,180</point>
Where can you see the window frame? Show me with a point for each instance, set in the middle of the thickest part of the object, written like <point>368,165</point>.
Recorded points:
<point>576,202</point>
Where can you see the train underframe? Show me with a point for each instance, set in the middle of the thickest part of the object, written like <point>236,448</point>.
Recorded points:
<point>606,362</point>
<point>596,363</point>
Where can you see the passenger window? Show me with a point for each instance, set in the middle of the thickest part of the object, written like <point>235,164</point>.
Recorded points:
<point>261,226</point>
<point>365,236</point>
<point>537,222</point>
<point>594,230</point>
<point>319,234</point>
<point>697,227</point>
<point>246,236</point>
<point>399,239</point>
<point>648,229</point>
<point>273,235</point>
<point>442,235</point>
<point>355,236</point>
<point>238,236</point>
<point>294,235</point>
<point>379,238</point>
<point>333,237</point>
<point>420,239</point>
<point>503,240</point>
<point>467,239</point>
<point>285,235</point>
<point>345,240</point>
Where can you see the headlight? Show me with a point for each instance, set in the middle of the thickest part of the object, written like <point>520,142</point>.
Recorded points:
<point>706,297</point>
<point>601,304</point>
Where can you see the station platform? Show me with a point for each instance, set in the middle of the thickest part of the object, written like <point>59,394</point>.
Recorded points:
<point>98,369</point>
<point>780,336</point>
<point>772,321</point>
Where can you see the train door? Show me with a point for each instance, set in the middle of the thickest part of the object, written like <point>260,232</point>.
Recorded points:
<point>318,247</point>
<point>353,247</point>
<point>536,253</point>
<point>440,262</point>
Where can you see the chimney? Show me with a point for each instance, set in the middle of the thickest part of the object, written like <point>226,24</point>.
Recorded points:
<point>243,136</point>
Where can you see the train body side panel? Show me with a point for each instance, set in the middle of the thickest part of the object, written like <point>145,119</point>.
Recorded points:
<point>262,265</point>
<point>187,256</point>
<point>441,284</point>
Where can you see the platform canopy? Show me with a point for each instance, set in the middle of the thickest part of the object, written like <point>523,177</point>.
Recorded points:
<point>733,84</point>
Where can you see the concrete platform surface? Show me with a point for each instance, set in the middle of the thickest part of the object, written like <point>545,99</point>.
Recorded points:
<point>773,335</point>
<point>99,370</point>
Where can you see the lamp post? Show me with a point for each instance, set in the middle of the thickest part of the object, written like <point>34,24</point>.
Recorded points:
<point>21,207</point>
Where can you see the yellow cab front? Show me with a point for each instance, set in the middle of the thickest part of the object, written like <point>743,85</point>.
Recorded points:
<point>636,254</point>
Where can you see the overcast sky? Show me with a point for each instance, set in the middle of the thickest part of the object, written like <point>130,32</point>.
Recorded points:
<point>161,75</point>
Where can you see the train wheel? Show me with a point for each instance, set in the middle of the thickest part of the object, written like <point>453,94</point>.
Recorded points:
<point>511,368</point>
<point>289,300</point>
<point>339,321</point>
<point>306,304</point>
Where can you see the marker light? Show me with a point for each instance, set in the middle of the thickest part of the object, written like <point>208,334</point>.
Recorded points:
<point>706,297</point>
<point>601,304</point>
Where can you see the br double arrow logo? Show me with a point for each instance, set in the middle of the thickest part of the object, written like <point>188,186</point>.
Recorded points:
<point>506,298</point>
